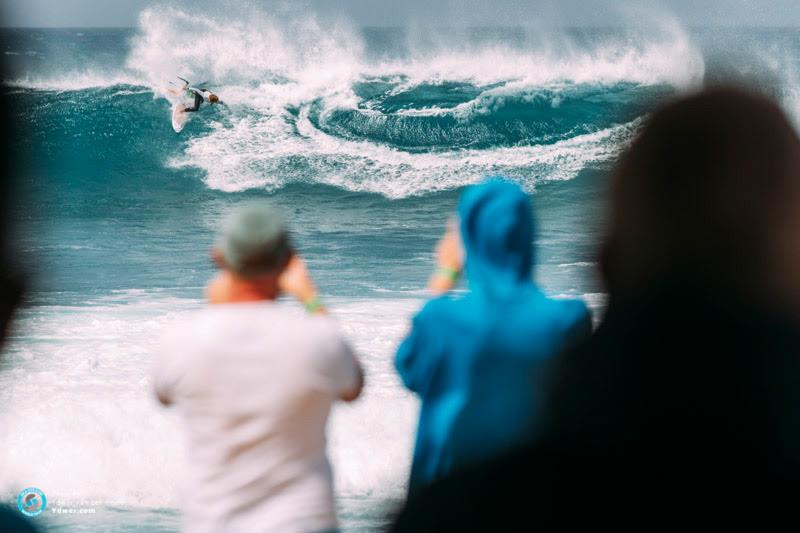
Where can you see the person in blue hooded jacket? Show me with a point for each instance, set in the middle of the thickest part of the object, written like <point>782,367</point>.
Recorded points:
<point>477,361</point>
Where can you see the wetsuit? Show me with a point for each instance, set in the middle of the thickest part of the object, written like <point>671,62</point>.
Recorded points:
<point>199,97</point>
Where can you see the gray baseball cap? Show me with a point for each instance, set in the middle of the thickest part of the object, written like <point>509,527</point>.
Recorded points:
<point>255,239</point>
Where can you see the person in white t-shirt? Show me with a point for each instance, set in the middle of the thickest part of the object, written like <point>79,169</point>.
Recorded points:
<point>254,381</point>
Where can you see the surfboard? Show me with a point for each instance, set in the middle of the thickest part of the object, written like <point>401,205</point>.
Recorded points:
<point>179,117</point>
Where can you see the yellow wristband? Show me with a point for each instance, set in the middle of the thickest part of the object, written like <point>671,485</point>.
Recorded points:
<point>448,273</point>
<point>313,305</point>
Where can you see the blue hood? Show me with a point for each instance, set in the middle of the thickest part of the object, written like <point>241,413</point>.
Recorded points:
<point>478,362</point>
<point>497,230</point>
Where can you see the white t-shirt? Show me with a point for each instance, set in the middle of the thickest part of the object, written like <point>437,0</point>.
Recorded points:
<point>254,383</point>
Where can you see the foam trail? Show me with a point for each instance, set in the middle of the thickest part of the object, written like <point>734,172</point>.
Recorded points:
<point>364,166</point>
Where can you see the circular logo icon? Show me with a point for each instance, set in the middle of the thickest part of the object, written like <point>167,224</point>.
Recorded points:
<point>31,501</point>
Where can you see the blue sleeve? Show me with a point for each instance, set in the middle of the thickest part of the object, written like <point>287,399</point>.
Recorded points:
<point>418,354</point>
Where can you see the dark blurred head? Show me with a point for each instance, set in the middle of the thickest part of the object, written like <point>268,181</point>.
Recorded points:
<point>708,190</point>
<point>254,241</point>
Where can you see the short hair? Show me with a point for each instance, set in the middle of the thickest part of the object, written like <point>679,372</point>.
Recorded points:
<point>213,98</point>
<point>699,188</point>
<point>255,240</point>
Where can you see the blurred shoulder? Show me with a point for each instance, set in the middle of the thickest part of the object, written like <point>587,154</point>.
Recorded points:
<point>446,303</point>
<point>322,331</point>
<point>190,325</point>
<point>322,324</point>
<point>574,309</point>
<point>570,313</point>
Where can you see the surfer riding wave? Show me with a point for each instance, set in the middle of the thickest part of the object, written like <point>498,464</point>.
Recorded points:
<point>199,94</point>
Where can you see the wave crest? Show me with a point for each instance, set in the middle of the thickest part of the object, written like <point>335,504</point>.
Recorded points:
<point>319,101</point>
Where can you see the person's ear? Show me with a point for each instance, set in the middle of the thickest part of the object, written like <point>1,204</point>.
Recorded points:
<point>218,258</point>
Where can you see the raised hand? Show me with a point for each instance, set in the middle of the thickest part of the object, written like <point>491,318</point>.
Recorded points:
<point>296,281</point>
<point>219,289</point>
<point>449,260</point>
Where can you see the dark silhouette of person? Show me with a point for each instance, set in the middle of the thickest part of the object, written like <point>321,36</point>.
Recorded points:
<point>684,405</point>
<point>11,520</point>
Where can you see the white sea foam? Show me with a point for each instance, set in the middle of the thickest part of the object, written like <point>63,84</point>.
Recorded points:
<point>235,160</point>
<point>76,81</point>
<point>80,421</point>
<point>582,264</point>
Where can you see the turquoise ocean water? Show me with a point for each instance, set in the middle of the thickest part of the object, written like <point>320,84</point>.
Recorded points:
<point>364,136</point>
